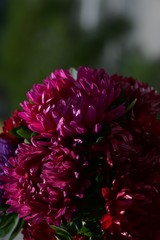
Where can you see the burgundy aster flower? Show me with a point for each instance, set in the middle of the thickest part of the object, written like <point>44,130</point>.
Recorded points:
<point>65,106</point>
<point>131,151</point>
<point>13,122</point>
<point>7,149</point>
<point>147,98</point>
<point>133,208</point>
<point>146,106</point>
<point>132,191</point>
<point>41,231</point>
<point>43,182</point>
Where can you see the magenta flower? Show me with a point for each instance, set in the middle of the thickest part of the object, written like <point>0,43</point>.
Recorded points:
<point>67,107</point>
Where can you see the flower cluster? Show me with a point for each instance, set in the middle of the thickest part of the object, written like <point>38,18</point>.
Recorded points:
<point>81,159</point>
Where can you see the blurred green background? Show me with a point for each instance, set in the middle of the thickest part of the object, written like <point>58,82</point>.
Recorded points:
<point>38,36</point>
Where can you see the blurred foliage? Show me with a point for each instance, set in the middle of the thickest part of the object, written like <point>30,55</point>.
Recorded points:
<point>39,36</point>
<point>135,65</point>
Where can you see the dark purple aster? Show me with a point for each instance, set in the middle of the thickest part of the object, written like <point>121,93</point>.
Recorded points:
<point>7,149</point>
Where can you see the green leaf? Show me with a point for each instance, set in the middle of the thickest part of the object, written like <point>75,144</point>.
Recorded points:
<point>85,231</point>
<point>73,227</point>
<point>14,132</point>
<point>158,116</point>
<point>3,207</point>
<point>57,238</point>
<point>7,224</point>
<point>24,133</point>
<point>131,105</point>
<point>26,141</point>
<point>73,72</point>
<point>6,219</point>
<point>61,232</point>
<point>100,139</point>
<point>17,229</point>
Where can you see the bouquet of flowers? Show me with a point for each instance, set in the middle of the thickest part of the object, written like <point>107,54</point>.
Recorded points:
<point>81,160</point>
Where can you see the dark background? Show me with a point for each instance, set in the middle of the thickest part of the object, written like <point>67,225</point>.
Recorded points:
<point>38,36</point>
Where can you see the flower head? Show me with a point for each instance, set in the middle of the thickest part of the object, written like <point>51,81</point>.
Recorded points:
<point>67,107</point>
<point>44,182</point>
